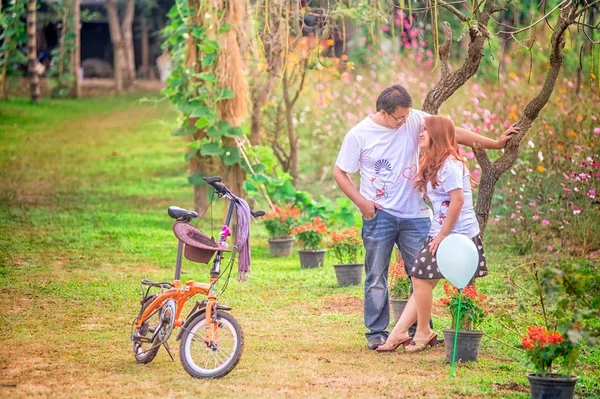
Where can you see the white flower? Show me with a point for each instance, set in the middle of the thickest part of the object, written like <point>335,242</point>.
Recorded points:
<point>540,156</point>
<point>359,78</point>
<point>531,144</point>
<point>207,15</point>
<point>186,36</point>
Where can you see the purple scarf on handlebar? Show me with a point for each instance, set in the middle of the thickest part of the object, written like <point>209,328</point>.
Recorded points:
<point>243,239</point>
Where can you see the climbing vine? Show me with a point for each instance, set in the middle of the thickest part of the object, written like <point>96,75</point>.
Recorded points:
<point>61,69</point>
<point>12,37</point>
<point>193,85</point>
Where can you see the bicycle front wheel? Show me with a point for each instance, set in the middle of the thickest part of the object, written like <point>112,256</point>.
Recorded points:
<point>211,360</point>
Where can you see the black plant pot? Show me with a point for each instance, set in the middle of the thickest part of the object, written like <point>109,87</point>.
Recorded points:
<point>349,273</point>
<point>467,345</point>
<point>281,246</point>
<point>398,306</point>
<point>552,386</point>
<point>310,258</point>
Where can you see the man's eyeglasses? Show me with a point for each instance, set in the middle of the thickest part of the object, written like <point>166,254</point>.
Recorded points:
<point>400,120</point>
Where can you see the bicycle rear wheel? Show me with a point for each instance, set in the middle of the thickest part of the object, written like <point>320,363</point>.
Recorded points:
<point>146,352</point>
<point>201,360</point>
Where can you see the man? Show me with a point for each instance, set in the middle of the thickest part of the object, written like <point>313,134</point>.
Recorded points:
<point>384,147</point>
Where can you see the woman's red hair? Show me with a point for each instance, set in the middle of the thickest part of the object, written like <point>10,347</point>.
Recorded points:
<point>442,144</point>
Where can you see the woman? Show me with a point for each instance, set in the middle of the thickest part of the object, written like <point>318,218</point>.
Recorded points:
<point>445,179</point>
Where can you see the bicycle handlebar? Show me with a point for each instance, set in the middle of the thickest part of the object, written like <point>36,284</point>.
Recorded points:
<point>221,189</point>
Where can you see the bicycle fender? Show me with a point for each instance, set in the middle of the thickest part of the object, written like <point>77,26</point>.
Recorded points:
<point>199,313</point>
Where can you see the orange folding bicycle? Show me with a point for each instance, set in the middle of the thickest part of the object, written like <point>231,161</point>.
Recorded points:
<point>212,340</point>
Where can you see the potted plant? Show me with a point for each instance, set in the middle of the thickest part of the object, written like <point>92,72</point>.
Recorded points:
<point>543,348</point>
<point>310,237</point>
<point>399,287</point>
<point>346,247</point>
<point>279,224</point>
<point>471,316</point>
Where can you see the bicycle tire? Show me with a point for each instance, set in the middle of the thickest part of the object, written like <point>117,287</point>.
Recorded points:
<point>231,339</point>
<point>147,356</point>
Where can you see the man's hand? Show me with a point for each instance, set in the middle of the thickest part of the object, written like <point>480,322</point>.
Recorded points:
<point>435,243</point>
<point>511,131</point>
<point>367,208</point>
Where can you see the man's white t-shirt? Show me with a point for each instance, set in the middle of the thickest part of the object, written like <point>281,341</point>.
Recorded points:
<point>388,160</point>
<point>452,175</point>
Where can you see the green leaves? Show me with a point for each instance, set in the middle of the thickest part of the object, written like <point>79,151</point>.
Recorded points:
<point>231,156</point>
<point>212,149</point>
<point>208,60</point>
<point>224,94</point>
<point>218,130</point>
<point>196,92</point>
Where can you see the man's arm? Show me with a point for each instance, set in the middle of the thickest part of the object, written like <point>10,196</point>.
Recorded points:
<point>468,138</point>
<point>366,207</point>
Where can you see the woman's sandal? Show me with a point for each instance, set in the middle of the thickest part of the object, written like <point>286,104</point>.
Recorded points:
<point>391,346</point>
<point>419,345</point>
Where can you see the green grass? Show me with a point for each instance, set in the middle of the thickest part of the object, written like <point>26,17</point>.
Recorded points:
<point>84,187</point>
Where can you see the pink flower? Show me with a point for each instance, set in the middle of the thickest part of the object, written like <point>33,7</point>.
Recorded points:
<point>549,248</point>
<point>545,221</point>
<point>513,230</point>
<point>535,217</point>
<point>385,28</point>
<point>591,194</point>
<point>597,130</point>
<point>577,211</point>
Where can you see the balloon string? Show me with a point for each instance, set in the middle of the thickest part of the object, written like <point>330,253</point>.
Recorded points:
<point>456,331</point>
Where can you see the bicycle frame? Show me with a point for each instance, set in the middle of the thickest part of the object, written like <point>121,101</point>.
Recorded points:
<point>182,293</point>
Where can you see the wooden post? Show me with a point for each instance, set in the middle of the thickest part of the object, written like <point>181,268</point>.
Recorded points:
<point>117,41</point>
<point>76,59</point>
<point>145,53</point>
<point>32,51</point>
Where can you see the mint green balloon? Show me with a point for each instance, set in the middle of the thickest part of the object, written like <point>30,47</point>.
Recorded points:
<point>457,259</point>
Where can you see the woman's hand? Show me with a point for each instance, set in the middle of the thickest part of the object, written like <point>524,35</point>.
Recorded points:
<point>435,243</point>
<point>511,131</point>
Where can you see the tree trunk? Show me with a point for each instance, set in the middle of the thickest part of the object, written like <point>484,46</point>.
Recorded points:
<point>271,40</point>
<point>198,164</point>
<point>32,51</point>
<point>76,58</point>
<point>289,117</point>
<point>491,172</point>
<point>127,32</point>
<point>4,66</point>
<point>145,72</point>
<point>116,38</point>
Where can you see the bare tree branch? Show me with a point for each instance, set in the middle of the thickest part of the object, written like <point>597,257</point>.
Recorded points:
<point>444,50</point>
<point>302,79</point>
<point>448,84</point>
<point>584,9</point>
<point>536,22</point>
<point>454,10</point>
<point>491,174</point>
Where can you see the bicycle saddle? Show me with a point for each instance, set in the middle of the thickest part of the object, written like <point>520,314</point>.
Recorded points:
<point>179,213</point>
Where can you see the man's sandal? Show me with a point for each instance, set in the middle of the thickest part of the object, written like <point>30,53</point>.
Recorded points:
<point>391,345</point>
<point>420,345</point>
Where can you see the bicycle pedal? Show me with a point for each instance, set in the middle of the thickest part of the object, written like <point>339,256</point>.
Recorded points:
<point>139,338</point>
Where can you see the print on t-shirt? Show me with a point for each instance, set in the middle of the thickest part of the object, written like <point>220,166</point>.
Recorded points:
<point>382,164</point>
<point>444,211</point>
<point>410,172</point>
<point>380,187</point>
<point>384,167</point>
